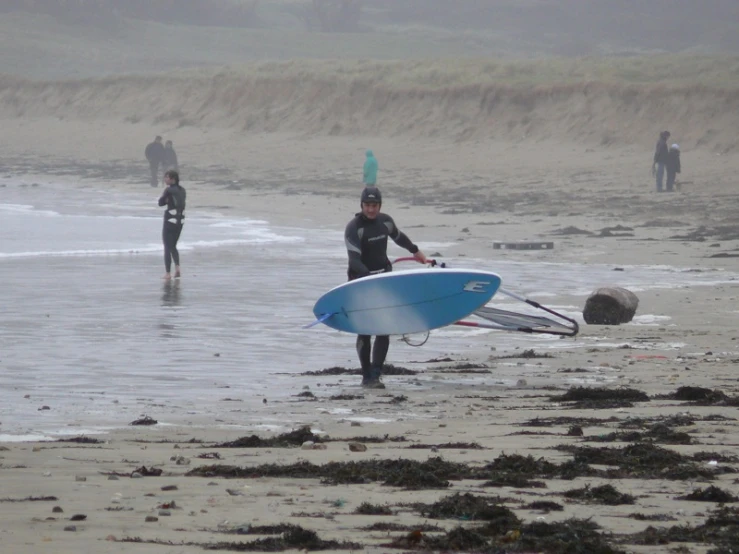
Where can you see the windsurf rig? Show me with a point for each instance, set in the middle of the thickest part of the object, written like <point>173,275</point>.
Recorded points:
<point>488,317</point>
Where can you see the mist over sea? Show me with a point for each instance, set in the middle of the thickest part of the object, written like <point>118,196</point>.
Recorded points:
<point>92,338</point>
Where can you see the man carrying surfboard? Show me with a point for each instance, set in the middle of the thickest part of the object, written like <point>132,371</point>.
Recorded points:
<point>366,243</point>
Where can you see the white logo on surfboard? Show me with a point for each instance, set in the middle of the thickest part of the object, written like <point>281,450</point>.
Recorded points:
<point>476,286</point>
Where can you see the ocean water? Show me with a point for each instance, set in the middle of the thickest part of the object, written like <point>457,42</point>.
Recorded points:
<point>92,338</point>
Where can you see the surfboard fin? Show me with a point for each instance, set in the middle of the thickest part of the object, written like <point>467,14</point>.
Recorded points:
<point>321,319</point>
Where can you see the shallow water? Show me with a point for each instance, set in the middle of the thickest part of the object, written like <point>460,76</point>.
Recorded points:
<point>90,331</point>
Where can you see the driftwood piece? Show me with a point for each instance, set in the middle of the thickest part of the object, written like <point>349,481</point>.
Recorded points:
<point>610,306</point>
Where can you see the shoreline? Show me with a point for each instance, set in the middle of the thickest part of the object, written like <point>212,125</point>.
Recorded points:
<point>483,415</point>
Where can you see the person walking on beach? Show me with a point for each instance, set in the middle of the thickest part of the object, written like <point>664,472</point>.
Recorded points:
<point>672,166</point>
<point>660,159</point>
<point>370,169</point>
<point>169,158</point>
<point>154,153</point>
<point>174,217</point>
<point>366,244</point>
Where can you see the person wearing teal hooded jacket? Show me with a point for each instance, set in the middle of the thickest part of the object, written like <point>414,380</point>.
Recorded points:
<point>370,170</point>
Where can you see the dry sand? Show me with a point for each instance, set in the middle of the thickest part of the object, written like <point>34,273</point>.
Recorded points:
<point>469,193</point>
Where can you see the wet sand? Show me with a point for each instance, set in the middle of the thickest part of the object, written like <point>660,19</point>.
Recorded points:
<point>475,409</point>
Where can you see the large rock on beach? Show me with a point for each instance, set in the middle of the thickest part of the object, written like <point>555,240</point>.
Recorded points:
<point>610,306</point>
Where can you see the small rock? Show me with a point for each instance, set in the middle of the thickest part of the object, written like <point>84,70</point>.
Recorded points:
<point>307,445</point>
<point>47,473</point>
<point>357,447</point>
<point>112,478</point>
<point>169,488</point>
<point>521,383</point>
<point>356,424</point>
<point>72,528</point>
<point>78,517</point>
<point>57,510</point>
<point>151,519</point>
<point>136,475</point>
<point>42,408</point>
<point>165,513</point>
<point>234,492</point>
<point>79,478</point>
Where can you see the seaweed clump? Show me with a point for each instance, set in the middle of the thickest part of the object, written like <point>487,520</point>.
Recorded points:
<point>469,507</point>
<point>709,494</point>
<point>700,396</point>
<point>601,397</point>
<point>605,494</point>
<point>641,461</point>
<point>720,529</point>
<point>430,474</point>
<point>284,440</point>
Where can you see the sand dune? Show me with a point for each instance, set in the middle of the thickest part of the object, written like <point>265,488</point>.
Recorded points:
<point>390,99</point>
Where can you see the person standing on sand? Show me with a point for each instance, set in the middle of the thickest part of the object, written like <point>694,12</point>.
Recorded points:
<point>660,159</point>
<point>155,155</point>
<point>169,159</point>
<point>174,218</point>
<point>366,244</point>
<point>672,166</point>
<point>370,169</point>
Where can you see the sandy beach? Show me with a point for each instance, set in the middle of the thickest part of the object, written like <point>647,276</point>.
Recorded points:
<point>489,452</point>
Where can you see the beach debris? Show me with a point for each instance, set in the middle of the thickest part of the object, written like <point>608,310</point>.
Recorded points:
<point>357,447</point>
<point>164,513</point>
<point>368,509</point>
<point>169,488</point>
<point>610,306</point>
<point>71,528</point>
<point>80,478</point>
<point>469,507</point>
<point>604,494</point>
<point>448,445</point>
<point>642,461</point>
<point>145,420</point>
<point>81,440</point>
<point>151,519</point>
<point>284,440</point>
<point>545,506</point>
<point>701,396</point>
<point>310,445</point>
<point>143,471</point>
<point>179,460</point>
<point>710,494</point>
<point>57,510</point>
<point>112,478</point>
<point>43,408</point>
<point>30,499</point>
<point>601,397</point>
<point>78,517</point>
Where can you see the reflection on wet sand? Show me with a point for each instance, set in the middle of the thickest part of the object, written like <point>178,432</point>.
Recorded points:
<point>171,292</point>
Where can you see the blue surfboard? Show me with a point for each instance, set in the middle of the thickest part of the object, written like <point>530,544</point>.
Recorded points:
<point>404,302</point>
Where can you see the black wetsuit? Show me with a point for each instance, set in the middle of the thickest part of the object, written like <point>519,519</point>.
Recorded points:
<point>366,244</point>
<point>154,153</point>
<point>174,217</point>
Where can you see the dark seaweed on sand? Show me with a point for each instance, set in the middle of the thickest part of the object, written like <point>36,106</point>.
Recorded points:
<point>293,537</point>
<point>562,421</point>
<point>448,445</point>
<point>605,494</point>
<point>601,394</point>
<point>366,508</point>
<point>641,461</point>
<point>710,494</point>
<point>657,433</point>
<point>699,396</point>
<point>573,536</point>
<point>432,473</point>
<point>720,529</point>
<point>388,369</point>
<point>285,440</point>
<point>468,506</point>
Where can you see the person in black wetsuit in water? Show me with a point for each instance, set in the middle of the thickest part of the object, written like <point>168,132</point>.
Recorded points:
<point>174,217</point>
<point>366,243</point>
